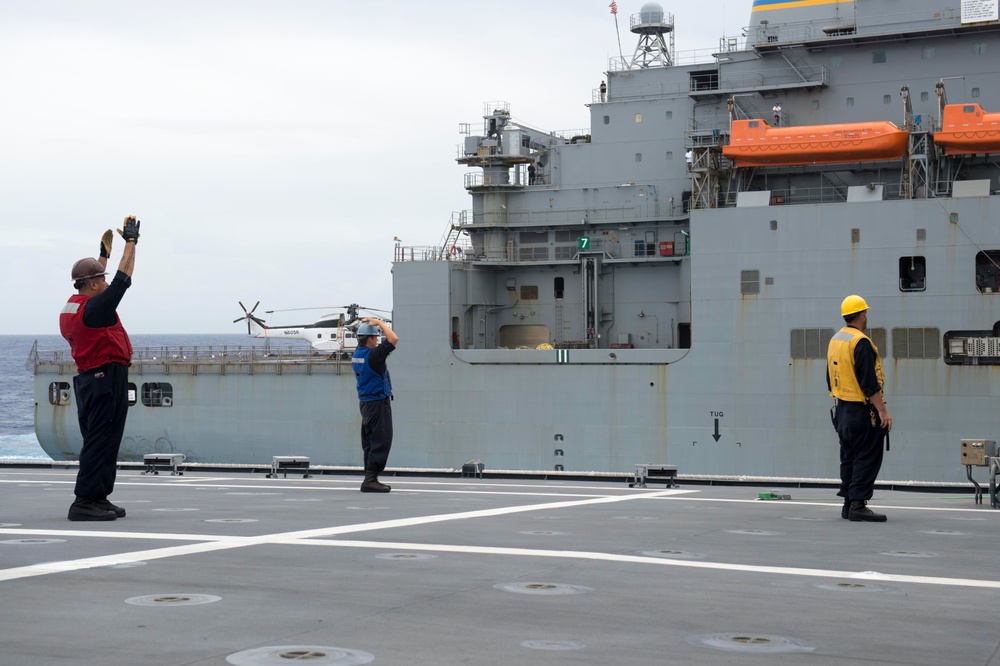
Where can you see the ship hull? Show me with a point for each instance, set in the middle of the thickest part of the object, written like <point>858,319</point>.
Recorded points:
<point>734,404</point>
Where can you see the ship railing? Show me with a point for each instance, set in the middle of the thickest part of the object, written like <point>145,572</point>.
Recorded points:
<point>187,354</point>
<point>689,56</point>
<point>793,196</point>
<point>667,245</point>
<point>492,179</point>
<point>650,208</point>
<point>459,251</point>
<point>785,76</point>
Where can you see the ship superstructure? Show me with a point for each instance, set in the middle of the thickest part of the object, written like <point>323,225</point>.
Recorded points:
<point>639,292</point>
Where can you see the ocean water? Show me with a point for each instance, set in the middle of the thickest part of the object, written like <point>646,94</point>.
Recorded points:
<point>17,405</point>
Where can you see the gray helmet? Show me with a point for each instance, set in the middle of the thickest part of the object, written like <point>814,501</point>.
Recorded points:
<point>368,329</point>
<point>87,268</point>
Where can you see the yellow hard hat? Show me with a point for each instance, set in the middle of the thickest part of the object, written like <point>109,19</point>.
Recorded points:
<point>852,304</point>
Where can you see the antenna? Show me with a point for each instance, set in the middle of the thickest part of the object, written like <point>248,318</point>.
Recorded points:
<point>651,24</point>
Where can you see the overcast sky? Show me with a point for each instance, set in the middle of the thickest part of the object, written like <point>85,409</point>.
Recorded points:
<point>271,149</point>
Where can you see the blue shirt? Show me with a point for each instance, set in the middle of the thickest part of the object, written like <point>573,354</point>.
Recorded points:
<point>372,373</point>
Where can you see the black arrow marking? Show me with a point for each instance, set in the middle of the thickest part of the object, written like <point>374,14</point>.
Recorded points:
<point>716,434</point>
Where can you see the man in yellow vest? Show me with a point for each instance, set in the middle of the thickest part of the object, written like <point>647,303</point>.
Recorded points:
<point>855,378</point>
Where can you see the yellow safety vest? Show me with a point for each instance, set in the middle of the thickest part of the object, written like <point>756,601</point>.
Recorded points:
<point>840,364</point>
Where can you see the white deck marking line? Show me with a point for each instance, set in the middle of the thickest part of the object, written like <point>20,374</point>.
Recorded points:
<point>641,559</point>
<point>888,507</point>
<point>352,487</point>
<point>241,542</point>
<point>334,478</point>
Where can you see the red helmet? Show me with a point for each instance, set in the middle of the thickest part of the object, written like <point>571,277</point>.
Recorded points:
<point>87,268</point>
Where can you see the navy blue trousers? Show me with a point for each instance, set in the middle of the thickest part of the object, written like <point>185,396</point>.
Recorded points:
<point>376,433</point>
<point>101,406</point>
<point>861,436</point>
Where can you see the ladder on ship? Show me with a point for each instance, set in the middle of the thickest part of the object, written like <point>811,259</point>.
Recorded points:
<point>452,241</point>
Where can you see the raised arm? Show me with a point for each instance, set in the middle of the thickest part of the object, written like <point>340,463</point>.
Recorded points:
<point>130,232</point>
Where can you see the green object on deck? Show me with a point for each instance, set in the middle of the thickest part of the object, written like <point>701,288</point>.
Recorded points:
<point>773,496</point>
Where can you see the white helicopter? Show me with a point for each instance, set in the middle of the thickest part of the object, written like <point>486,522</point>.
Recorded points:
<point>330,333</point>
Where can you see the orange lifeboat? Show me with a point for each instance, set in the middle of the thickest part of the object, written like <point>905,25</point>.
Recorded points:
<point>967,129</point>
<point>754,143</point>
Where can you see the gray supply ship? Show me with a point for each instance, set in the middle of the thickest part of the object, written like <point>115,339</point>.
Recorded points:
<point>662,287</point>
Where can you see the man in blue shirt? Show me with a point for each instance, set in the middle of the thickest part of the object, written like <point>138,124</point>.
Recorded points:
<point>375,395</point>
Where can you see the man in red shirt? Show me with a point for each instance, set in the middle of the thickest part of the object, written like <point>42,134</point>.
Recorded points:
<point>103,353</point>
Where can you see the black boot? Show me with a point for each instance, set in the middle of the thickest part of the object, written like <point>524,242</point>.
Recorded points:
<point>860,512</point>
<point>88,509</point>
<point>371,484</point>
<point>845,512</point>
<point>105,504</point>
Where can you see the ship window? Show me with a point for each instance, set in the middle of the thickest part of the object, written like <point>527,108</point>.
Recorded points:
<point>924,96</point>
<point>669,114</point>
<point>878,337</point>
<point>523,336</point>
<point>915,343</point>
<point>638,117</point>
<point>753,123</point>
<point>972,347</point>
<point>927,53</point>
<point>979,48</point>
<point>558,287</point>
<point>836,61</point>
<point>638,157</point>
<point>565,251</point>
<point>855,235</point>
<point>607,120</point>
<point>529,292</point>
<point>810,342</point>
<point>670,154</point>
<point>157,394</point>
<point>815,104</point>
<point>912,274</point>
<point>887,99</point>
<point>533,254</point>
<point>878,56</point>
<point>749,282</point>
<point>921,234</point>
<point>704,80</point>
<point>850,102</point>
<point>974,92</point>
<point>59,393</point>
<point>988,271</point>
<point>133,394</point>
<point>644,249</point>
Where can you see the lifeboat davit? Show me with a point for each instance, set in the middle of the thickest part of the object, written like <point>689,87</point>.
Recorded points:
<point>755,143</point>
<point>967,129</point>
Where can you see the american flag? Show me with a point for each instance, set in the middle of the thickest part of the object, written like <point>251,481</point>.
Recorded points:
<point>614,7</point>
